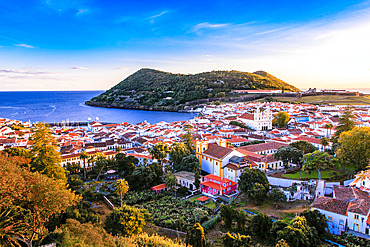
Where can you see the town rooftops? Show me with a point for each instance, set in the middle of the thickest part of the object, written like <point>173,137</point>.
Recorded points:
<point>217,151</point>
<point>263,146</point>
<point>331,204</point>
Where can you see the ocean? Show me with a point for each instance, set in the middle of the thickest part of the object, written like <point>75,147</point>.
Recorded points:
<point>68,106</point>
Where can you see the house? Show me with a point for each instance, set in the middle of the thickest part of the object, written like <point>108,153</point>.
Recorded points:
<point>185,179</point>
<point>362,181</point>
<point>213,156</point>
<point>158,188</point>
<point>259,120</point>
<point>215,185</point>
<point>348,210</point>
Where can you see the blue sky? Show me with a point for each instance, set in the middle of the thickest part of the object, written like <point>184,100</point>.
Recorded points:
<point>90,44</point>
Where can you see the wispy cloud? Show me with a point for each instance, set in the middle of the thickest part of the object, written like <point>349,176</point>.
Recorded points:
<point>24,72</point>
<point>78,67</point>
<point>207,25</point>
<point>122,68</point>
<point>82,11</point>
<point>158,15</point>
<point>24,45</point>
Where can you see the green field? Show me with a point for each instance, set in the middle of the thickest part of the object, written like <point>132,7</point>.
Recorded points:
<point>328,99</point>
<point>211,204</point>
<point>314,174</point>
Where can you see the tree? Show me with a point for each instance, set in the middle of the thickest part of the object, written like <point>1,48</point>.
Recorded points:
<point>125,164</point>
<point>188,138</point>
<point>159,151</point>
<point>345,123</point>
<point>281,119</point>
<point>100,163</point>
<point>325,142</point>
<point>304,146</point>
<point>39,195</point>
<point>189,163</point>
<point>197,180</point>
<point>236,240</point>
<point>277,196</point>
<point>354,147</point>
<point>84,156</point>
<point>196,236</point>
<point>318,160</point>
<point>145,177</point>
<point>316,219</point>
<point>299,234</point>
<point>171,181</point>
<point>277,226</point>
<point>261,225</point>
<point>18,151</point>
<point>282,243</point>
<point>74,233</point>
<point>258,193</point>
<point>240,219</point>
<point>328,126</point>
<point>289,154</point>
<point>227,215</point>
<point>121,188</point>
<point>177,153</point>
<point>126,221</point>
<point>73,168</point>
<point>46,158</point>
<point>11,228</point>
<point>247,182</point>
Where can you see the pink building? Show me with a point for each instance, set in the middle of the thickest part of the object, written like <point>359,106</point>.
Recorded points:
<point>216,185</point>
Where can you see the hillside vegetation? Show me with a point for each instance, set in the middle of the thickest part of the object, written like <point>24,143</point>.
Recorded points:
<point>148,88</point>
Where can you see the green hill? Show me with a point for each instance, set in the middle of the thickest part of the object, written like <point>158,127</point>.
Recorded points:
<point>157,90</point>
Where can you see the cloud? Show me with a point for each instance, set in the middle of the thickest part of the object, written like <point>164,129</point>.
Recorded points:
<point>160,14</point>
<point>82,11</point>
<point>24,72</point>
<point>24,45</point>
<point>78,67</point>
<point>123,68</point>
<point>207,25</point>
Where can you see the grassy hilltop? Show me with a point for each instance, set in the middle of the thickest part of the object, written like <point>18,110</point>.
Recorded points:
<point>148,88</point>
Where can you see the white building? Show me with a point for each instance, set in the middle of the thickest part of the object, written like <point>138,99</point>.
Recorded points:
<point>259,120</point>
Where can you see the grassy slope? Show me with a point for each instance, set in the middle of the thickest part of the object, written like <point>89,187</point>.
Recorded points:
<point>329,99</point>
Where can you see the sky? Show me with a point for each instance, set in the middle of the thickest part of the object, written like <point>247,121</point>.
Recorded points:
<point>93,45</point>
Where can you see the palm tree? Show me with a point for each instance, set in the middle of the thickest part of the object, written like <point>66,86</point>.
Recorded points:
<point>360,177</point>
<point>12,231</point>
<point>84,156</point>
<point>171,181</point>
<point>327,127</point>
<point>118,149</point>
<point>121,188</point>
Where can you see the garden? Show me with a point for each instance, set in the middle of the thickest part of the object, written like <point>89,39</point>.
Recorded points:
<point>210,204</point>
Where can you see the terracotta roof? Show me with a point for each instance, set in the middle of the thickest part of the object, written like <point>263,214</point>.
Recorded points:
<point>158,187</point>
<point>263,146</point>
<point>247,116</point>
<point>202,199</point>
<point>331,204</point>
<point>217,151</point>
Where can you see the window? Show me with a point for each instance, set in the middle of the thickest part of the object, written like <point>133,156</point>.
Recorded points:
<point>330,219</point>
<point>341,222</point>
<point>356,217</point>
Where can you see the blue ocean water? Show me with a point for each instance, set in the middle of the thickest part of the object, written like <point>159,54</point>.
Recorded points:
<point>58,106</point>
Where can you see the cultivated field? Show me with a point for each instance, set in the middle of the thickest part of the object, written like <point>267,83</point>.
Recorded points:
<point>328,99</point>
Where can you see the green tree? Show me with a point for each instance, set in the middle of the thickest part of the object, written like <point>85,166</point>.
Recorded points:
<point>281,119</point>
<point>354,147</point>
<point>325,142</point>
<point>12,229</point>
<point>236,240</point>
<point>125,164</point>
<point>187,138</point>
<point>46,158</point>
<point>241,220</point>
<point>328,126</point>
<point>126,221</point>
<point>318,160</point>
<point>196,236</point>
<point>197,180</point>
<point>18,151</point>
<point>220,95</point>
<point>277,226</point>
<point>159,151</point>
<point>171,181</point>
<point>227,215</point>
<point>316,219</point>
<point>304,146</point>
<point>189,163</point>
<point>261,225</point>
<point>248,181</point>
<point>100,163</point>
<point>73,168</point>
<point>289,154</point>
<point>121,188</point>
<point>84,156</point>
<point>177,153</point>
<point>345,123</point>
<point>277,196</point>
<point>145,177</point>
